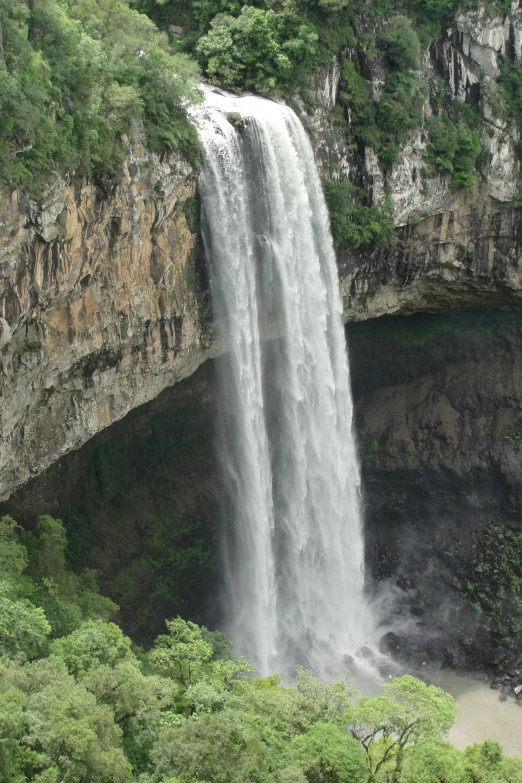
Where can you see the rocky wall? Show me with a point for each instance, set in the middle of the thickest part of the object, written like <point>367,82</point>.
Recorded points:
<point>103,296</point>
<point>101,306</point>
<point>439,418</point>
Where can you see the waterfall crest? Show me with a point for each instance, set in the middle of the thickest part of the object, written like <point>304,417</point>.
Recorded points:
<point>294,554</point>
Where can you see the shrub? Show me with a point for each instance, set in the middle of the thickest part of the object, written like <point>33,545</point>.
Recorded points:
<point>401,45</point>
<point>511,86</point>
<point>454,150</point>
<point>398,113</point>
<point>353,224</point>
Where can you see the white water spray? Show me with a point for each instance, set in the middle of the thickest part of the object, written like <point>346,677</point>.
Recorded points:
<point>294,556</point>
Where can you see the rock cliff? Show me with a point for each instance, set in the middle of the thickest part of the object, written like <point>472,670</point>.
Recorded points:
<point>100,306</point>
<point>103,297</point>
<point>439,403</point>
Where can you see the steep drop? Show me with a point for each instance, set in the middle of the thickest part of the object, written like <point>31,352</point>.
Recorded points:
<point>294,555</point>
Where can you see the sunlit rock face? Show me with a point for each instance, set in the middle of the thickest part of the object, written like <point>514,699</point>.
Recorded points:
<point>100,306</point>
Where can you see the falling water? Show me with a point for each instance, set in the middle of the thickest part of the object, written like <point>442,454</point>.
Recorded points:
<point>294,556</point>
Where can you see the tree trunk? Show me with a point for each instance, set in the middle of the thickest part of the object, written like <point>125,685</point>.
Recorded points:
<point>1,42</point>
<point>32,31</point>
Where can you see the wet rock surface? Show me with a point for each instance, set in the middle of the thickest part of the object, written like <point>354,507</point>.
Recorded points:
<point>439,416</point>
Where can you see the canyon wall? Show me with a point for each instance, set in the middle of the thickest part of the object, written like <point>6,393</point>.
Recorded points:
<point>103,294</point>
<point>439,418</point>
<point>101,306</point>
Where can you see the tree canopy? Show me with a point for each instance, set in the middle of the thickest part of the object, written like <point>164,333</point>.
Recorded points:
<point>74,77</point>
<point>81,703</point>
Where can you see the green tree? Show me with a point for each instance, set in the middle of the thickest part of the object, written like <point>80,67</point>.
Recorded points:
<point>12,703</point>
<point>484,763</point>
<point>327,754</point>
<point>181,653</point>
<point>93,644</point>
<point>324,703</point>
<point>433,762</point>
<point>407,713</point>
<point>213,749</point>
<point>221,644</point>
<point>13,555</point>
<point>71,732</point>
<point>49,560</point>
<point>258,50</point>
<point>138,703</point>
<point>24,629</point>
<point>55,729</point>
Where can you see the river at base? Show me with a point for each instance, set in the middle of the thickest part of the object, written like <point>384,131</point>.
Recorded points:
<point>481,715</point>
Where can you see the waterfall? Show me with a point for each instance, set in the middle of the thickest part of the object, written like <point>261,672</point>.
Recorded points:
<point>293,557</point>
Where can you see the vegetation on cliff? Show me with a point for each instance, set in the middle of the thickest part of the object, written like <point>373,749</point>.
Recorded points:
<point>74,77</point>
<point>80,703</point>
<point>78,78</point>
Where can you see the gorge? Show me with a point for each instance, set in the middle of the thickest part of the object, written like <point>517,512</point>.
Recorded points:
<point>134,300</point>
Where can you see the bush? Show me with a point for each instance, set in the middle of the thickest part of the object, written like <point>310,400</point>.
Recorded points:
<point>326,753</point>
<point>454,150</point>
<point>398,113</point>
<point>401,45</point>
<point>387,124</point>
<point>511,86</point>
<point>75,76</point>
<point>353,224</point>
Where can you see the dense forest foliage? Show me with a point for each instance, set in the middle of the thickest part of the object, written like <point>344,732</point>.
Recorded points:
<point>80,703</point>
<point>75,77</point>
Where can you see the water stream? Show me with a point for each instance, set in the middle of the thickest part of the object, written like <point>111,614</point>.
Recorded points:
<point>293,556</point>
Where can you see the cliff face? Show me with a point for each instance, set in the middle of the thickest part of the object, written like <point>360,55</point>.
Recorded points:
<point>467,257</point>
<point>462,65</point>
<point>438,412</point>
<point>451,248</point>
<point>103,302</point>
<point>99,306</point>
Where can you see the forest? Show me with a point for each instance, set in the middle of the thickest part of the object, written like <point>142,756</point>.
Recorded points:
<point>81,703</point>
<point>81,82</point>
